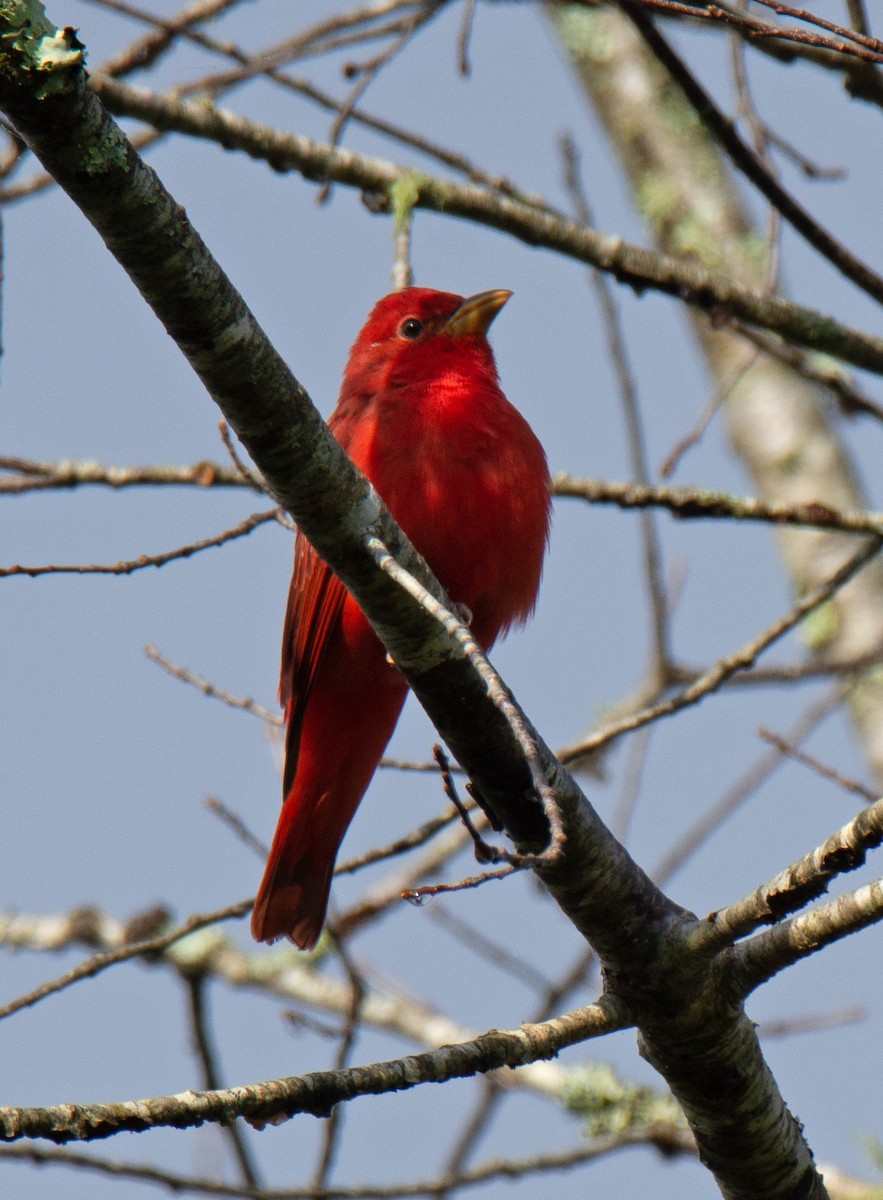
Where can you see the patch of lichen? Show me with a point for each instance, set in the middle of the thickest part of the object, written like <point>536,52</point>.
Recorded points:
<point>31,45</point>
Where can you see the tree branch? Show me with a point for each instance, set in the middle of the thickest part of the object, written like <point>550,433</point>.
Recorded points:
<point>794,887</point>
<point>690,1030</point>
<point>639,268</point>
<point>765,955</point>
<point>317,1092</point>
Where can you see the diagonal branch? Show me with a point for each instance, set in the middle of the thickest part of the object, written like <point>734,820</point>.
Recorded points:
<point>721,671</point>
<point>690,1031</point>
<point>794,887</point>
<point>317,1092</point>
<point>537,226</point>
<point>765,955</point>
<point>127,567</point>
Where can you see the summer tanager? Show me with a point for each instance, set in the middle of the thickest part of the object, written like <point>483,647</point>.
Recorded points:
<point>422,414</point>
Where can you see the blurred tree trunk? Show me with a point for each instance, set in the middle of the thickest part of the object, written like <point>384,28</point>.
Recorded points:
<point>779,423</point>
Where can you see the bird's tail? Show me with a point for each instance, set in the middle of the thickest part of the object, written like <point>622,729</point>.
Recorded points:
<point>334,767</point>
<point>293,895</point>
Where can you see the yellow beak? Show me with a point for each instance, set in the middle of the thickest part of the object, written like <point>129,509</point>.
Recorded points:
<point>476,313</point>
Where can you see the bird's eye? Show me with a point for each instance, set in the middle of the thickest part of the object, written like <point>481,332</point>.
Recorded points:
<point>411,328</point>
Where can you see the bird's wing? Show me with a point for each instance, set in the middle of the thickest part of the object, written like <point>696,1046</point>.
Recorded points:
<point>315,601</point>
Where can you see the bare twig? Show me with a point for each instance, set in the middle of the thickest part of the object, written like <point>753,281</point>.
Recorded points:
<point>233,821</point>
<point>794,887</point>
<point>280,1099</point>
<point>195,984</point>
<point>688,503</point>
<point>334,1124</point>
<point>418,837</point>
<point>628,392</point>
<point>812,1023</point>
<point>498,695</point>
<point>468,20</point>
<point>735,796</point>
<point>249,477</point>
<point>128,567</point>
<point>521,219</point>
<point>246,704</point>
<point>757,29</point>
<point>42,476</point>
<point>100,962</point>
<point>786,747</point>
<point>692,438</point>
<point>418,895</point>
<point>717,675</point>
<point>670,1140</point>
<point>487,949</point>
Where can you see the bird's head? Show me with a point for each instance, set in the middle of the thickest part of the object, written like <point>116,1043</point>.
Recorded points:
<point>413,336</point>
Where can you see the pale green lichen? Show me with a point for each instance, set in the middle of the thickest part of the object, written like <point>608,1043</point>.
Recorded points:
<point>104,156</point>
<point>403,196</point>
<point>37,44</point>
<point>612,1106</point>
<point>195,952</point>
<point>587,36</point>
<point>25,19</point>
<point>59,52</point>
<point>820,627</point>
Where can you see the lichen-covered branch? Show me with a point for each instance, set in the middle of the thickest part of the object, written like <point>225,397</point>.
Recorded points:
<point>315,1093</point>
<point>523,219</point>
<point>692,1026</point>
<point>772,951</point>
<point>796,886</point>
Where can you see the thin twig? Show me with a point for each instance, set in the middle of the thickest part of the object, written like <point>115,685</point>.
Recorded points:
<point>694,436</point>
<point>418,895</point>
<point>488,950</point>
<point>496,693</point>
<point>233,821</point>
<point>42,476</point>
<point>812,1023</point>
<point>709,822</point>
<point>670,1140</point>
<point>484,852</point>
<point>250,477</point>
<point>786,747</point>
<point>722,670</point>
<point>417,837</point>
<point>245,703</point>
<point>129,566</point>
<point>522,219</point>
<point>637,443</point>
<point>856,34</point>
<point>858,16</point>
<point>818,369</point>
<point>757,29</point>
<point>195,983</point>
<point>334,1124</point>
<point>693,503</point>
<point>147,51</point>
<point>109,958</point>
<point>466,25</point>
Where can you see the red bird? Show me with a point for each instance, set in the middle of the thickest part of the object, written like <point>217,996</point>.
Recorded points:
<point>422,414</point>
